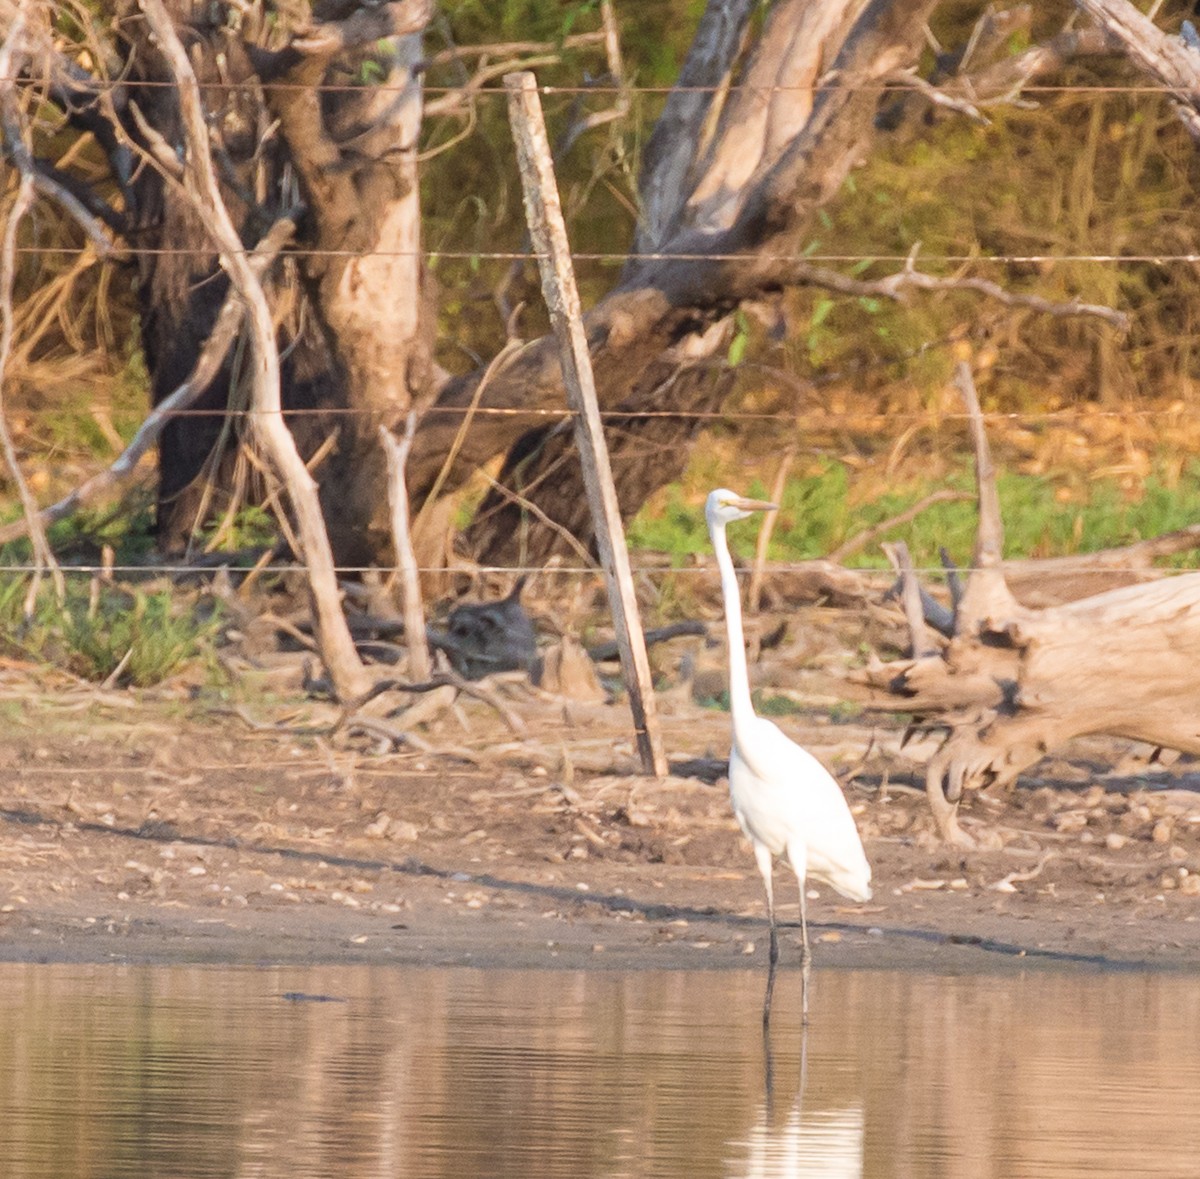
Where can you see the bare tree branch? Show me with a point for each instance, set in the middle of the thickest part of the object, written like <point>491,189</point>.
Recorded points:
<point>337,648</point>
<point>84,204</point>
<point>894,285</point>
<point>910,596</point>
<point>208,364</point>
<point>420,665</point>
<point>869,535</point>
<point>987,595</point>
<point>616,76</point>
<point>1003,81</point>
<point>500,58</point>
<point>156,145</point>
<point>43,176</point>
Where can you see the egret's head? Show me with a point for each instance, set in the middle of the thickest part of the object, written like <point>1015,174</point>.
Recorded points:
<point>724,506</point>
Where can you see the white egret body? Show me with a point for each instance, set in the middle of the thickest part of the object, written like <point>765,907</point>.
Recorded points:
<point>786,801</point>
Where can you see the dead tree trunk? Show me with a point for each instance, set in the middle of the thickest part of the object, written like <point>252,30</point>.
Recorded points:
<point>730,181</point>
<point>355,319</point>
<point>1013,682</point>
<point>355,152</point>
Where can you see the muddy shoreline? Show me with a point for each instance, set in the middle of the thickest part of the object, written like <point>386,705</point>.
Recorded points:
<point>169,839</point>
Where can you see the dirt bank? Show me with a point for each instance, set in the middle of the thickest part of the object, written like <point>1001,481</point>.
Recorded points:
<point>139,829</point>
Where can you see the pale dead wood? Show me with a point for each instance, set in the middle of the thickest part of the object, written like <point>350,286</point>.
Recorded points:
<point>156,148</point>
<point>420,664</point>
<point>392,736</point>
<point>31,55</point>
<point>987,592</point>
<point>512,348</point>
<point>528,505</point>
<point>619,109</point>
<point>499,58</point>
<point>717,248</point>
<point>869,535</point>
<point>548,231</point>
<point>356,155</point>
<point>439,682</point>
<point>671,152</point>
<point>911,80</point>
<point>914,613</point>
<point>896,287</point>
<point>1015,682</point>
<point>91,225</point>
<point>988,74</point>
<point>512,49</point>
<point>763,543</point>
<point>337,648</point>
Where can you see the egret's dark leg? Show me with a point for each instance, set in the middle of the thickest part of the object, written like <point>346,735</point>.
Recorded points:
<point>763,856</point>
<point>772,963</point>
<point>768,1073</point>
<point>805,956</point>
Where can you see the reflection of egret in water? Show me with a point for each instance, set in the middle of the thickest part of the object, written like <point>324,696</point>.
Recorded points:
<point>824,1142</point>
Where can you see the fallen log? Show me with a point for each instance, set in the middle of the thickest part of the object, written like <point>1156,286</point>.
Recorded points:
<point>1014,681</point>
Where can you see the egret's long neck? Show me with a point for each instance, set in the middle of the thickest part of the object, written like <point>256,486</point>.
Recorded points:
<point>739,680</point>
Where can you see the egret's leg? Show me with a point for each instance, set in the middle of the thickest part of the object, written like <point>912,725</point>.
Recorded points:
<point>768,1074</point>
<point>805,955</point>
<point>798,858</point>
<point>763,855</point>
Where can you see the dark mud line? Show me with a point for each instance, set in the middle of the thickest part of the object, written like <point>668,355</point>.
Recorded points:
<point>162,833</point>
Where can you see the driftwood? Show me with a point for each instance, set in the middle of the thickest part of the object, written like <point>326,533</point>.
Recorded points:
<point>1014,681</point>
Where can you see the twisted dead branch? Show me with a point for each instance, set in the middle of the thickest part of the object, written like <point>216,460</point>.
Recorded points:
<point>1014,682</point>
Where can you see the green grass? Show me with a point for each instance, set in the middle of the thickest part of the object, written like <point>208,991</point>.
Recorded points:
<point>767,703</point>
<point>148,636</point>
<point>819,512</point>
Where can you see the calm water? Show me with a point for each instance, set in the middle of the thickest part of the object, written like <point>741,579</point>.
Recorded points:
<point>140,1073</point>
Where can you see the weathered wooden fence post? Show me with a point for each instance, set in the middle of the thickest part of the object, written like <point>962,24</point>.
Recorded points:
<point>543,211</point>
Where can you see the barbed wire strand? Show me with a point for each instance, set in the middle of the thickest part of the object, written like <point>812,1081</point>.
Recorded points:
<point>657,256</point>
<point>832,420</point>
<point>707,569</point>
<point>493,89</point>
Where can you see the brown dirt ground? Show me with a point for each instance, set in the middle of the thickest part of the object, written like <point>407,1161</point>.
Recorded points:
<point>161,828</point>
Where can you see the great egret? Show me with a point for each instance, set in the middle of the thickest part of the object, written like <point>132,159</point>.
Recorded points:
<point>785,801</point>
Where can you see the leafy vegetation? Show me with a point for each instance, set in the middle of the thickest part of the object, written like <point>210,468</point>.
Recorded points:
<point>138,638</point>
<point>1044,517</point>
